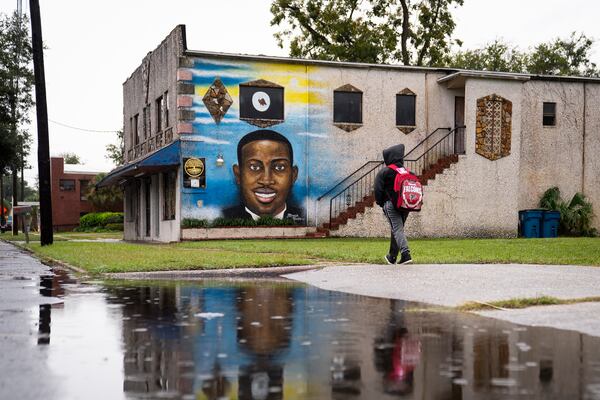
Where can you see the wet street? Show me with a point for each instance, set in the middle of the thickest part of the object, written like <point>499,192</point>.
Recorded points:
<point>273,340</point>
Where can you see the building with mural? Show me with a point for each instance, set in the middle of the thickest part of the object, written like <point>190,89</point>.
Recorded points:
<point>228,137</point>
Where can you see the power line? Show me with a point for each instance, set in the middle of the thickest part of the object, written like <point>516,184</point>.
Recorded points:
<point>80,129</point>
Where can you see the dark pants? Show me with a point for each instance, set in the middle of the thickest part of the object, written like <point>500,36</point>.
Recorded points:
<point>396,218</point>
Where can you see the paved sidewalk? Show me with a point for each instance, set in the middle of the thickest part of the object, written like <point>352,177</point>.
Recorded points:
<point>454,284</point>
<point>20,314</point>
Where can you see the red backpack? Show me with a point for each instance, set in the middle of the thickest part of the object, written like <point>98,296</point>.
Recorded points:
<point>409,189</point>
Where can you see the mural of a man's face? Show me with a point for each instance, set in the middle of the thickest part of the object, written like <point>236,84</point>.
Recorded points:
<point>265,176</point>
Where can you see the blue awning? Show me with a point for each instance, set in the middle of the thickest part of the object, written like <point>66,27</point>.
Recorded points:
<point>161,160</point>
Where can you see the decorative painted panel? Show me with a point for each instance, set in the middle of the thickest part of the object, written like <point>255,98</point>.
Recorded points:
<point>493,127</point>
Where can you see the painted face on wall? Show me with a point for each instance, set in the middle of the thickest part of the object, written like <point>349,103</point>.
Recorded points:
<point>265,175</point>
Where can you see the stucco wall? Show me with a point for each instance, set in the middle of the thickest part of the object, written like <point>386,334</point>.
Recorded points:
<point>475,197</point>
<point>551,155</point>
<point>591,178</point>
<point>162,70</point>
<point>161,230</point>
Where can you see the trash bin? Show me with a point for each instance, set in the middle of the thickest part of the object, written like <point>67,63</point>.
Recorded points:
<point>550,224</point>
<point>530,223</point>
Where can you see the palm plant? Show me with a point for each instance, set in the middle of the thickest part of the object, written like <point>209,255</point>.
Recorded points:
<point>575,216</point>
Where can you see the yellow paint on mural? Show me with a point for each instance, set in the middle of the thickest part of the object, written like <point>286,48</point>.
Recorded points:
<point>298,88</point>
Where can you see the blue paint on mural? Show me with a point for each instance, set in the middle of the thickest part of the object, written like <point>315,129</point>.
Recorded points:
<point>305,126</point>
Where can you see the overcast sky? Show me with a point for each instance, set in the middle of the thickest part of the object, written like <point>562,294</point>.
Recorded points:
<point>93,46</point>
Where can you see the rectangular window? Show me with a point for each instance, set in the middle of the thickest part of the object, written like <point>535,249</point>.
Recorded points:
<point>169,184</point>
<point>146,126</point>
<point>405,109</point>
<point>166,105</point>
<point>66,185</point>
<point>83,189</point>
<point>159,114</point>
<point>549,118</point>
<point>347,107</point>
<point>135,134</point>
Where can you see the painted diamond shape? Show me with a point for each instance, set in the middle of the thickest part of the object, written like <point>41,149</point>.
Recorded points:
<point>217,100</point>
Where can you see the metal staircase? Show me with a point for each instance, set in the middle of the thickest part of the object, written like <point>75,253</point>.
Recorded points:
<point>353,194</point>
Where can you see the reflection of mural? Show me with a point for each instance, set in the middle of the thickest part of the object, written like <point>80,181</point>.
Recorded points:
<point>265,173</point>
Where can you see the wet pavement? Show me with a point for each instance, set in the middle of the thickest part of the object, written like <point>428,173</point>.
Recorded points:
<point>454,284</point>
<point>212,339</point>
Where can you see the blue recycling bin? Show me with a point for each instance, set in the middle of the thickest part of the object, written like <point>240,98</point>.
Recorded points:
<point>550,224</point>
<point>530,223</point>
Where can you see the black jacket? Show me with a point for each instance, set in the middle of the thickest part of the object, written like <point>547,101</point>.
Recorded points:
<point>384,181</point>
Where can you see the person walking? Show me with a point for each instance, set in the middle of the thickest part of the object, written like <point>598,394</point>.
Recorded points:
<point>387,198</point>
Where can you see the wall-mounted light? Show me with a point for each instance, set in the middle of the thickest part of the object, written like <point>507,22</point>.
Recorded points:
<point>220,160</point>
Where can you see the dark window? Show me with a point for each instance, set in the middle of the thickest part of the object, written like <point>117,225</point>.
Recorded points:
<point>405,109</point>
<point>347,107</point>
<point>549,118</point>
<point>146,122</point>
<point>169,183</point>
<point>159,114</point>
<point>83,189</point>
<point>257,102</point>
<point>135,134</point>
<point>66,185</point>
<point>166,108</point>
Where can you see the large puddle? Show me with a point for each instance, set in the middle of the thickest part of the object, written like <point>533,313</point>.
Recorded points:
<point>282,340</point>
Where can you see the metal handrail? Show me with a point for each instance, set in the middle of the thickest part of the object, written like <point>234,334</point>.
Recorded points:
<point>426,138</point>
<point>359,189</point>
<point>346,178</point>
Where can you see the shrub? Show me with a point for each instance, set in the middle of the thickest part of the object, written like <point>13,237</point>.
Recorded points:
<point>194,223</point>
<point>115,227</point>
<point>93,220</point>
<point>575,216</point>
<point>220,222</point>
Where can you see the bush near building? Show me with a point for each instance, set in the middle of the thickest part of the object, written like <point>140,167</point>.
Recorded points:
<point>102,220</point>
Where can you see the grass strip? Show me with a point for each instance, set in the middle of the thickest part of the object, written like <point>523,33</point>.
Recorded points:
<point>523,303</point>
<point>98,258</point>
<point>62,236</point>
<point>566,251</point>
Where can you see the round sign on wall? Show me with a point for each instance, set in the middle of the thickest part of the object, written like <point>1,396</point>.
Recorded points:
<point>261,101</point>
<point>194,167</point>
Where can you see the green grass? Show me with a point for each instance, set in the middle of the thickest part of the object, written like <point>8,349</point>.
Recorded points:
<point>574,251</point>
<point>523,303</point>
<point>125,257</point>
<point>61,236</point>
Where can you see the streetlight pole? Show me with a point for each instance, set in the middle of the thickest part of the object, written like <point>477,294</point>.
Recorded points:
<point>42,125</point>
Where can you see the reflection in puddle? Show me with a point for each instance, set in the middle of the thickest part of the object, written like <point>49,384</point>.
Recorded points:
<point>274,340</point>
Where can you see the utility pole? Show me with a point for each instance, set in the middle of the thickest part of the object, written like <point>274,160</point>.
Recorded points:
<point>42,124</point>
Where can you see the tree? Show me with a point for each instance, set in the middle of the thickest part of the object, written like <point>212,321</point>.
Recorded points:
<point>70,158</point>
<point>107,198</point>
<point>116,152</point>
<point>16,83</point>
<point>494,56</point>
<point>372,31</point>
<point>570,56</point>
